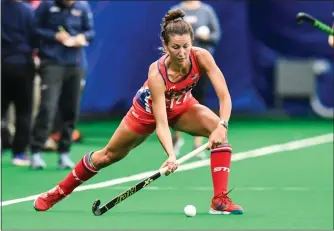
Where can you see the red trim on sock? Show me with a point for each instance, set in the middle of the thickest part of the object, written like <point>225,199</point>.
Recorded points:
<point>85,161</point>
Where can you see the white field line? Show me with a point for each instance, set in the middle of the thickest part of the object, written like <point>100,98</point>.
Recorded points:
<point>209,188</point>
<point>268,150</point>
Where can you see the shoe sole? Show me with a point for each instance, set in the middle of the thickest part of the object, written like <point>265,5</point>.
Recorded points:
<point>64,167</point>
<point>20,164</point>
<point>234,212</point>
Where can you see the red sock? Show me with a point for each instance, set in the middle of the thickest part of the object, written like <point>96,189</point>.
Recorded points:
<point>82,172</point>
<point>220,168</point>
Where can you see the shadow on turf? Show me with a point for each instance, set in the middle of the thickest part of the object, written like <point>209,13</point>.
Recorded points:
<point>151,213</point>
<point>123,213</point>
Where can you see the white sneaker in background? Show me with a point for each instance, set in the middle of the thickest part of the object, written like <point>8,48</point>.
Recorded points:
<point>37,161</point>
<point>177,145</point>
<point>65,161</point>
<point>201,155</point>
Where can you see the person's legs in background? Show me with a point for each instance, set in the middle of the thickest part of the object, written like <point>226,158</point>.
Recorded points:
<point>23,100</point>
<point>49,145</point>
<point>69,106</point>
<point>6,136</point>
<point>52,142</point>
<point>52,76</point>
<point>17,87</point>
<point>178,142</point>
<point>6,98</point>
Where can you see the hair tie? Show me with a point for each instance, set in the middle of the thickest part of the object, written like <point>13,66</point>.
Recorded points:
<point>178,19</point>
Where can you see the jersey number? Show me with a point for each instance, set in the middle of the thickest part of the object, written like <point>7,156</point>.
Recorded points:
<point>177,100</point>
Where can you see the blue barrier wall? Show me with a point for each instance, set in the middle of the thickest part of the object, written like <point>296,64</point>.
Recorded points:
<point>255,33</point>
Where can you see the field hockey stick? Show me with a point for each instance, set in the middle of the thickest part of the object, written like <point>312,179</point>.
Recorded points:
<point>98,211</point>
<point>301,17</point>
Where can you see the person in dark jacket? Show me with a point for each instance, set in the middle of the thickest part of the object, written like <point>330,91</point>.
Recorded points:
<point>18,40</point>
<point>65,27</point>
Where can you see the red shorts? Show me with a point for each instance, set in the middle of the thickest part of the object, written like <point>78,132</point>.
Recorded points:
<point>141,122</point>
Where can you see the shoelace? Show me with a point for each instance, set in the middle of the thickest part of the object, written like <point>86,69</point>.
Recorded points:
<point>224,196</point>
<point>53,196</point>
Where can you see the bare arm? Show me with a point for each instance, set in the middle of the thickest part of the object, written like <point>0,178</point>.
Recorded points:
<point>208,65</point>
<point>157,89</point>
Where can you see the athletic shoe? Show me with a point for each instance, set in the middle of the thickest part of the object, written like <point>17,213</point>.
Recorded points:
<point>48,199</point>
<point>65,161</point>
<point>177,145</point>
<point>20,159</point>
<point>202,155</point>
<point>37,161</point>
<point>222,204</point>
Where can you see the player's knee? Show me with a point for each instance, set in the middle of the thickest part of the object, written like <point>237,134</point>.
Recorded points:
<point>107,156</point>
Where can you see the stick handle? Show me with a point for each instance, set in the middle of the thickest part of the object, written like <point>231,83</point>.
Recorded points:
<point>186,157</point>
<point>323,27</point>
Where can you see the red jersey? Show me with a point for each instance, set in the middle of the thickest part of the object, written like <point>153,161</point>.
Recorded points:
<point>177,93</point>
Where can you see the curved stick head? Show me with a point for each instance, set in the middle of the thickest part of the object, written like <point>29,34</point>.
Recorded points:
<point>300,17</point>
<point>305,17</point>
<point>95,209</point>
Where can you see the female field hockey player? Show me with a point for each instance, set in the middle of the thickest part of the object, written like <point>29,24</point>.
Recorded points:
<point>165,100</point>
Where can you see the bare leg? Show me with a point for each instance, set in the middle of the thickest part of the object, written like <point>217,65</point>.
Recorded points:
<point>197,121</point>
<point>120,144</point>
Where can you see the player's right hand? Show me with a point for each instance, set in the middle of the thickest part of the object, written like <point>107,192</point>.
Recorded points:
<point>171,163</point>
<point>217,137</point>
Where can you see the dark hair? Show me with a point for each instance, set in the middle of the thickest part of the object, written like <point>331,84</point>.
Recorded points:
<point>173,23</point>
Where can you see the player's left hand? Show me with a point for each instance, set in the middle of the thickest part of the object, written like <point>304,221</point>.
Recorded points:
<point>171,163</point>
<point>217,137</point>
